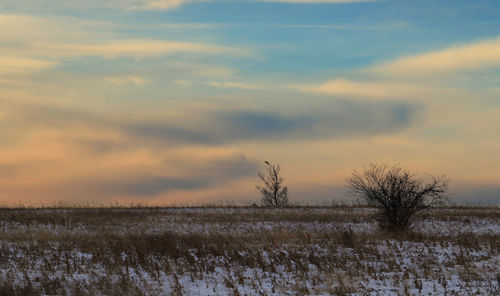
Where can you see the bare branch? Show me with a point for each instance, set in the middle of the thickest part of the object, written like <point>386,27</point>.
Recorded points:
<point>397,193</point>
<point>273,192</point>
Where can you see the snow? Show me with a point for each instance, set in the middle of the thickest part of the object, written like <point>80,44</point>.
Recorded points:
<point>451,253</point>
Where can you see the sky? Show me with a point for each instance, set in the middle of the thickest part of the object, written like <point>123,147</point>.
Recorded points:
<point>181,101</point>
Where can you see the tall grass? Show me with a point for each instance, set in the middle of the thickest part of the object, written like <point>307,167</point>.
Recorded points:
<point>243,250</point>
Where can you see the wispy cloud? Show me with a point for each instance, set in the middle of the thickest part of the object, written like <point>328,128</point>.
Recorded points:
<point>38,43</point>
<point>478,55</point>
<point>98,4</point>
<point>22,65</point>
<point>69,37</point>
<point>124,80</point>
<point>182,82</point>
<point>204,69</point>
<point>153,4</point>
<point>131,5</point>
<point>345,26</point>
<point>125,48</point>
<point>319,1</point>
<point>345,88</point>
<point>405,78</point>
<point>228,84</point>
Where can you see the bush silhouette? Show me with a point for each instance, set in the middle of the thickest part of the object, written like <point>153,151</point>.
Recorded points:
<point>397,193</point>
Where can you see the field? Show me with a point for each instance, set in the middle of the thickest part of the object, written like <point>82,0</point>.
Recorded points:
<point>334,250</point>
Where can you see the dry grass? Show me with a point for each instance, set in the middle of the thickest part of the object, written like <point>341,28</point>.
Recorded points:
<point>245,251</point>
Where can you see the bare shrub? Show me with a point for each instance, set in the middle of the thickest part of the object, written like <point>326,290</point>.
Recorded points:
<point>397,193</point>
<point>273,192</point>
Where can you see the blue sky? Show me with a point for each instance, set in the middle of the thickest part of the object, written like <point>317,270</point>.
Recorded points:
<point>179,100</point>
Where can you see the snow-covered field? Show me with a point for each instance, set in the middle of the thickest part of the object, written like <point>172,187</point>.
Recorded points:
<point>246,251</point>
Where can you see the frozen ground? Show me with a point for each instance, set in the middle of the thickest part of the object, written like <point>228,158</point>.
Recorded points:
<point>246,251</point>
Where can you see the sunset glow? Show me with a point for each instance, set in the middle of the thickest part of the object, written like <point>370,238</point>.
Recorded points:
<point>181,101</point>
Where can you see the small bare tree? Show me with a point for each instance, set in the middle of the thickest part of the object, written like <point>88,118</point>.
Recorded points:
<point>273,192</point>
<point>397,193</point>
